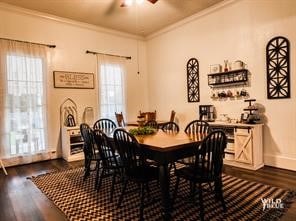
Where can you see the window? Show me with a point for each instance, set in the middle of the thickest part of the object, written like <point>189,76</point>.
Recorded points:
<point>112,90</point>
<point>25,105</point>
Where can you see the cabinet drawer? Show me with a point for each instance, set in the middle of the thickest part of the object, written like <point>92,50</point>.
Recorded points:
<point>242,130</point>
<point>73,132</point>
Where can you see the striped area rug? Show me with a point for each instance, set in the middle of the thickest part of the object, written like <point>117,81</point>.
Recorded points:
<point>78,200</point>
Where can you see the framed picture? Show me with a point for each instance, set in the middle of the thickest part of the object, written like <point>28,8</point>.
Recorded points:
<point>78,80</point>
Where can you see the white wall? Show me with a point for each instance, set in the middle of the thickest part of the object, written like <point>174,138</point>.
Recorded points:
<point>236,31</point>
<point>72,40</point>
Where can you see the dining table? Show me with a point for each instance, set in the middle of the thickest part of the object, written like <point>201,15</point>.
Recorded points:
<point>165,148</point>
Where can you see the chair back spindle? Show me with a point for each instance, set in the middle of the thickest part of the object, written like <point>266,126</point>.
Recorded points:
<point>152,123</point>
<point>198,126</point>
<point>104,124</point>
<point>170,127</point>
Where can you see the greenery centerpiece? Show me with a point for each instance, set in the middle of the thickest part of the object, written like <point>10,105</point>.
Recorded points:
<point>146,130</point>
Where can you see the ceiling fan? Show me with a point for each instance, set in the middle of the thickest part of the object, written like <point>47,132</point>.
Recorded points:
<point>126,3</point>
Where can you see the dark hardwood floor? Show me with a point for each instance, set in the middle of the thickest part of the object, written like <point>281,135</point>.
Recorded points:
<point>21,200</point>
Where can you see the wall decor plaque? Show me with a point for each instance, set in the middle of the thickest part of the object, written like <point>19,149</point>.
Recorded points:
<point>278,68</point>
<point>193,80</point>
<point>78,80</point>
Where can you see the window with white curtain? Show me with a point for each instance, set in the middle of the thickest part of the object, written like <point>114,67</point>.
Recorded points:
<point>111,87</point>
<point>23,103</point>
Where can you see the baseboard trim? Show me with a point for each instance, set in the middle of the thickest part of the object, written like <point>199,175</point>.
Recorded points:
<point>280,162</point>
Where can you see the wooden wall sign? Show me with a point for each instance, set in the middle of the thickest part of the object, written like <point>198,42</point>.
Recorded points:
<point>64,79</point>
<point>278,68</point>
<point>193,80</point>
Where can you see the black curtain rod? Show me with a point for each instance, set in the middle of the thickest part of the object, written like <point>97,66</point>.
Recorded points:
<point>114,55</point>
<point>50,46</point>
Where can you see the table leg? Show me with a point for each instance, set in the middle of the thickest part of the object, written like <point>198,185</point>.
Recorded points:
<point>164,179</point>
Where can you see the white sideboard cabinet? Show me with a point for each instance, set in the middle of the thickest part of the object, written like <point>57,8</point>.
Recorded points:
<point>244,144</point>
<point>72,144</point>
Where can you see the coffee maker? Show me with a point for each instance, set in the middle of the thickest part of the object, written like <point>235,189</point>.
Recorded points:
<point>206,113</point>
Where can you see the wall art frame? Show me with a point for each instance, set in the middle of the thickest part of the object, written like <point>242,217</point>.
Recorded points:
<point>278,68</point>
<point>193,94</point>
<point>74,80</point>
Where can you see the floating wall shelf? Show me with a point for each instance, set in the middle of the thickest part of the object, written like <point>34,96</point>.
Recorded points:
<point>234,77</point>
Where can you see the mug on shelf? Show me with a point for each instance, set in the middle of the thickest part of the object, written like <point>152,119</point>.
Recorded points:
<point>238,65</point>
<point>222,94</point>
<point>213,94</point>
<point>243,93</point>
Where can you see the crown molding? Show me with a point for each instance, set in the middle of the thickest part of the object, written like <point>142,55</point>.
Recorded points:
<point>15,9</point>
<point>191,18</point>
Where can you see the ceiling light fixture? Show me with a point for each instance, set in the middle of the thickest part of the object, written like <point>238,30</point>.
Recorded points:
<point>131,2</point>
<point>127,3</point>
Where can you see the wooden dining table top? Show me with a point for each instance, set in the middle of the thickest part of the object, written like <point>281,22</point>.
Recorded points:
<point>166,141</point>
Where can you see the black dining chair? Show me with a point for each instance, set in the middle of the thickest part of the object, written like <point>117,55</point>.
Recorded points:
<point>135,168</point>
<point>151,123</point>
<point>105,125</point>
<point>91,153</point>
<point>170,127</point>
<point>198,126</point>
<point>195,127</point>
<point>207,168</point>
<point>111,162</point>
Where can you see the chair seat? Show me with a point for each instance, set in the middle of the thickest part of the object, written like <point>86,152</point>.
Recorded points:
<point>143,174</point>
<point>194,174</point>
<point>96,155</point>
<point>115,165</point>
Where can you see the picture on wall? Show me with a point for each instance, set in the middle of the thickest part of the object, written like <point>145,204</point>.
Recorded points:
<point>78,80</point>
<point>193,80</point>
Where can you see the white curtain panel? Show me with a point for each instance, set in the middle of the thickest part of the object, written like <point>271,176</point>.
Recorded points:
<point>112,86</point>
<point>23,128</point>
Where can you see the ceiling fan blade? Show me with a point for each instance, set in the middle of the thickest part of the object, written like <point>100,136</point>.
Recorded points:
<point>152,1</point>
<point>123,4</point>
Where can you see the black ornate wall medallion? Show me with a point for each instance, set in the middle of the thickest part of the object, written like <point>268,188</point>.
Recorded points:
<point>278,68</point>
<point>193,80</point>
